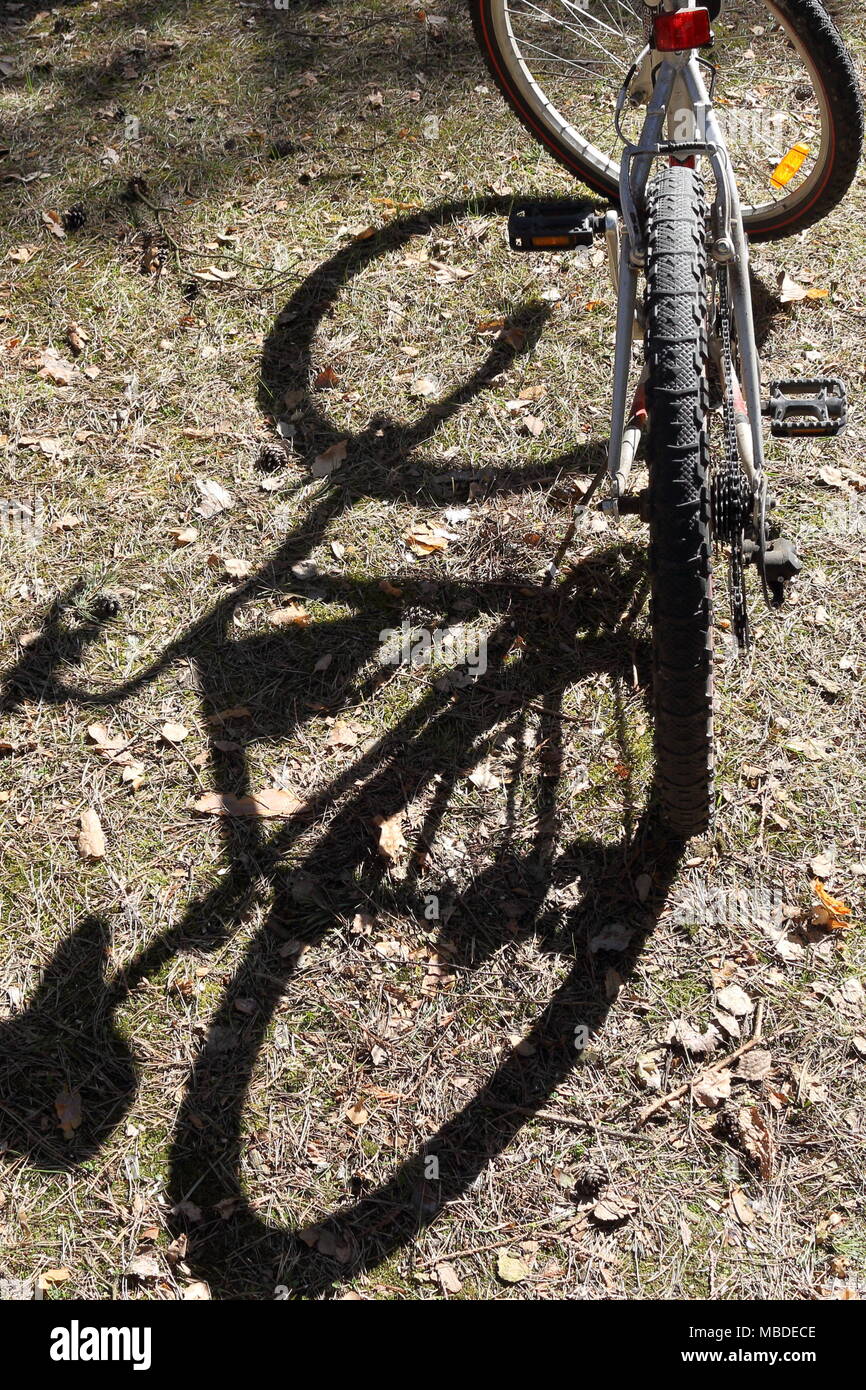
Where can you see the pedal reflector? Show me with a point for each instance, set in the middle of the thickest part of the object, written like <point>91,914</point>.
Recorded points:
<point>790,165</point>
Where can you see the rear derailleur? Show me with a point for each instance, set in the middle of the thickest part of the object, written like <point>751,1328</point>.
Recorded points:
<point>778,564</point>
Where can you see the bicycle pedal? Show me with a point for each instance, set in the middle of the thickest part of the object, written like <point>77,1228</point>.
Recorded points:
<point>553,226</point>
<point>815,407</point>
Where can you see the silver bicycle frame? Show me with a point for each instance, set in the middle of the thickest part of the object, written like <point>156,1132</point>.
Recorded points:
<point>679,90</point>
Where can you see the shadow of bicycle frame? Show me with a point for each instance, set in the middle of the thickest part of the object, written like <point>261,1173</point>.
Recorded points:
<point>68,1036</point>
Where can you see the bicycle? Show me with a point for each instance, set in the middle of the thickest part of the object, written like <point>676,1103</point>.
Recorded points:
<point>567,69</point>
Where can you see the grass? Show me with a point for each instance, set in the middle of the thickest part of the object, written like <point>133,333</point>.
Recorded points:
<point>267,1031</point>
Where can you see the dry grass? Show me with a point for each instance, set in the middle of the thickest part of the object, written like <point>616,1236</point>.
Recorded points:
<point>230,998</point>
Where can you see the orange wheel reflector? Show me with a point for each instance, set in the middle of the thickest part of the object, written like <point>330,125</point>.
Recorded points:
<point>789,166</point>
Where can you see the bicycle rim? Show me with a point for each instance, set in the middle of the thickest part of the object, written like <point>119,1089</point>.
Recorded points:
<point>565,60</point>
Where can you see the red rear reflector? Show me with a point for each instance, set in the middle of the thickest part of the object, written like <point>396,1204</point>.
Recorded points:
<point>681,29</point>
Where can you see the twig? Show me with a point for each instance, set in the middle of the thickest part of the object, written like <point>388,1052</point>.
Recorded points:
<point>157,210</point>
<point>657,1105</point>
<point>531,1232</point>
<point>554,714</point>
<point>570,1121</point>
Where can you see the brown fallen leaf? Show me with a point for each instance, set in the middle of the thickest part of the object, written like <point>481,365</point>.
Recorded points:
<point>790,292</point>
<point>195,1292</point>
<point>214,274</point>
<point>712,1088</point>
<point>483,778</point>
<point>324,1240</point>
<point>446,274</point>
<point>612,1208</point>
<point>67,522</point>
<point>342,735</point>
<point>91,839</point>
<point>49,445</point>
<point>510,1268</point>
<point>326,378</point>
<point>68,1108</point>
<point>293,615</point>
<point>392,843</point>
<point>647,1070</point>
<point>106,743</point>
<point>144,1266</point>
<point>264,805</point>
<point>448,1278</point>
<point>214,497</point>
<point>755,1065</point>
<point>183,535</point>
<point>810,1090</point>
<point>8,749</point>
<point>230,565</point>
<point>133,775</point>
<point>734,1000</point>
<point>390,949</point>
<point>357,1114</point>
<point>835,910</point>
<point>76,338</point>
<point>822,864</point>
<point>831,476</point>
<point>427,540</point>
<point>683,1035</point>
<point>813,749</point>
<point>174,733</point>
<point>328,462</point>
<point>741,1208</point>
<point>55,368</point>
<point>222,716</point>
<point>424,386</point>
<point>756,1137</point>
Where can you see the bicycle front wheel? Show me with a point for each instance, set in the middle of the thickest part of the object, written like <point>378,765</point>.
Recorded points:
<point>786,95</point>
<point>678,497</point>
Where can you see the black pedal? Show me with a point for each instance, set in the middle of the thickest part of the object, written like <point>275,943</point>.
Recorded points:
<point>553,226</point>
<point>816,407</point>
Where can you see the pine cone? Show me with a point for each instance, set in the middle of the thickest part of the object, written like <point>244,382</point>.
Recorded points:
<point>590,1179</point>
<point>726,1126</point>
<point>74,217</point>
<point>106,605</point>
<point>271,457</point>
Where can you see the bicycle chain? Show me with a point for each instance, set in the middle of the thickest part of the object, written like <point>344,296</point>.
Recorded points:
<point>730,495</point>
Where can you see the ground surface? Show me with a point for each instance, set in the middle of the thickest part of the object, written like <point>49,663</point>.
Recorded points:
<point>424,1045</point>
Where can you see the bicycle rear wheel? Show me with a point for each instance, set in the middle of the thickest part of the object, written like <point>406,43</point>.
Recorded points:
<point>678,498</point>
<point>785,84</point>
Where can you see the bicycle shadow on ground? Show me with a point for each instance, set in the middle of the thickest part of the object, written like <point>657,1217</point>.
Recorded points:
<point>67,1040</point>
